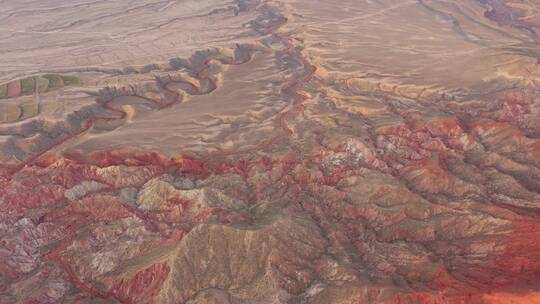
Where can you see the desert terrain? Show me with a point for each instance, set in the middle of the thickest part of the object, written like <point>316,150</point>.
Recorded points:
<point>270,151</point>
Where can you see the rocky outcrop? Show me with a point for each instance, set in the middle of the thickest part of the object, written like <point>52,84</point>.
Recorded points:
<point>361,192</point>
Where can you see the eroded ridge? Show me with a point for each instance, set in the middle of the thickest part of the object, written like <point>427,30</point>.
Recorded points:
<point>31,137</point>
<point>346,184</point>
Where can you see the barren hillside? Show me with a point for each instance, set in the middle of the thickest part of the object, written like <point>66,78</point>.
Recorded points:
<point>270,151</point>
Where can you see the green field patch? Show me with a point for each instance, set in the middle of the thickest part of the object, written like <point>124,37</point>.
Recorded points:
<point>42,84</point>
<point>3,90</point>
<point>28,86</point>
<point>37,84</point>
<point>55,81</point>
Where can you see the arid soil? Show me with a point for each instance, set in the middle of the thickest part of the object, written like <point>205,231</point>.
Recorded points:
<point>270,151</point>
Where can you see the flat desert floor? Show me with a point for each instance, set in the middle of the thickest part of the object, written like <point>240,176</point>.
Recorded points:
<point>270,151</point>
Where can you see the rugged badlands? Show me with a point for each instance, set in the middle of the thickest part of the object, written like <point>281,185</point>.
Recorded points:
<point>264,151</point>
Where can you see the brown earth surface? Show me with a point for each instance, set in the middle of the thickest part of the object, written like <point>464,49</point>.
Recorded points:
<point>270,151</point>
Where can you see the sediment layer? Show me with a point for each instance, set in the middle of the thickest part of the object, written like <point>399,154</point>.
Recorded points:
<point>351,152</point>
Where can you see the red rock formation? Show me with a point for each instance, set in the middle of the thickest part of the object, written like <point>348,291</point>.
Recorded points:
<point>142,287</point>
<point>428,202</point>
